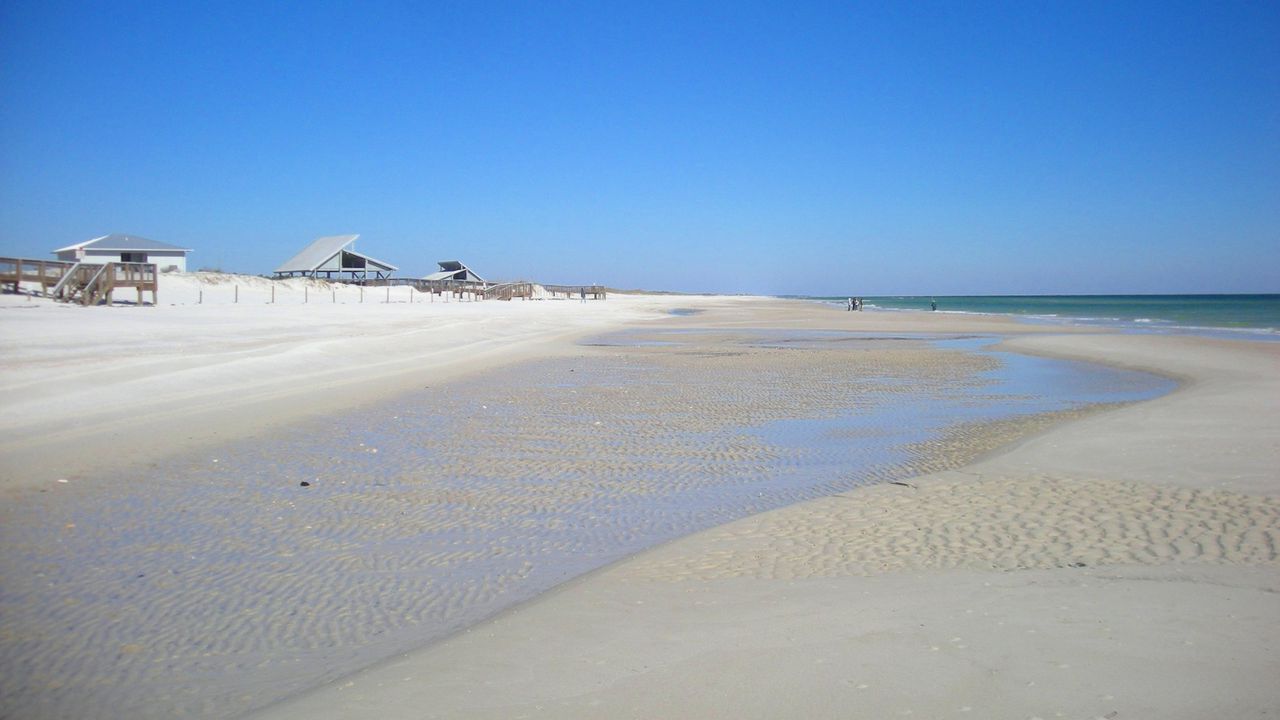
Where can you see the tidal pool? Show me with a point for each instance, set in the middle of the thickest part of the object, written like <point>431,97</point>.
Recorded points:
<point>213,583</point>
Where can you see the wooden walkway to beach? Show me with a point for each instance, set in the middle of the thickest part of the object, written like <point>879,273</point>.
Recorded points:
<point>523,290</point>
<point>92,284</point>
<point>529,290</point>
<point>86,283</point>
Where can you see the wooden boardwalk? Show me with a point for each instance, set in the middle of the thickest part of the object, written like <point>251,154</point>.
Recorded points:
<point>492,291</point>
<point>91,284</point>
<point>86,283</point>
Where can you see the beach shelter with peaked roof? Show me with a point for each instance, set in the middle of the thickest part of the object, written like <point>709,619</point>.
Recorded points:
<point>335,255</point>
<point>454,270</point>
<point>126,248</point>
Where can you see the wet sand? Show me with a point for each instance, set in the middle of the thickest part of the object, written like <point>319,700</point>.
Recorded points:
<point>1121,565</point>
<point>249,578</point>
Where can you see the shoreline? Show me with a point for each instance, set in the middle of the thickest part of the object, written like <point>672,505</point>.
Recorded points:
<point>616,606</point>
<point>202,374</point>
<point>727,314</point>
<point>1160,321</point>
<point>1016,434</point>
<point>569,586</point>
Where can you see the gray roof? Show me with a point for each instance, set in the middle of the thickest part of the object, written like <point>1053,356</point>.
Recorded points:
<point>127,243</point>
<point>450,268</point>
<point>321,250</point>
<point>317,253</point>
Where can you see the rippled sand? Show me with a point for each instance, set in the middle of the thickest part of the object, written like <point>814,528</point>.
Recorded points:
<point>986,523</point>
<point>1121,565</point>
<point>211,584</point>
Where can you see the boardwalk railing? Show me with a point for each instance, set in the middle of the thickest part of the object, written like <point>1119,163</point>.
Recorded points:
<point>490,291</point>
<point>459,288</point>
<point>92,284</point>
<point>510,291</point>
<point>47,273</point>
<point>595,292</point>
<point>88,283</point>
<point>528,290</point>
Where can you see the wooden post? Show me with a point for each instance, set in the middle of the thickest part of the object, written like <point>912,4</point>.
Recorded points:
<point>388,294</point>
<point>304,294</point>
<point>333,294</point>
<point>410,294</point>
<point>361,293</point>
<point>17,276</point>
<point>237,293</point>
<point>273,293</point>
<point>201,300</point>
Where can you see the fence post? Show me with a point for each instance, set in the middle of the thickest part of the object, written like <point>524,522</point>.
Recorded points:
<point>237,293</point>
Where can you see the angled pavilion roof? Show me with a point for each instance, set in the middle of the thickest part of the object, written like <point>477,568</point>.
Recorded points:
<point>120,242</point>
<point>451,269</point>
<point>322,250</point>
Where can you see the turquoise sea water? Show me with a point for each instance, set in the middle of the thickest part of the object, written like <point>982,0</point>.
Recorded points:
<point>1253,315</point>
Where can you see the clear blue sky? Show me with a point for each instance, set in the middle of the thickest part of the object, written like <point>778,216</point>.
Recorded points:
<point>822,148</point>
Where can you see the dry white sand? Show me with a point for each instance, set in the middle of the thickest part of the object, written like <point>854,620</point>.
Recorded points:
<point>1123,565</point>
<point>86,389</point>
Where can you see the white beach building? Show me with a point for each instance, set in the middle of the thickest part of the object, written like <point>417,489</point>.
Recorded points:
<point>126,248</point>
<point>335,255</point>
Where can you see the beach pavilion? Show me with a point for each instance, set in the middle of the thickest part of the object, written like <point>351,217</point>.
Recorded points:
<point>334,257</point>
<point>454,270</point>
<point>118,248</point>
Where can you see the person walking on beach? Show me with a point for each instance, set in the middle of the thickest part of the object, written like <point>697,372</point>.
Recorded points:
<point>933,304</point>
<point>582,291</point>
<point>849,306</point>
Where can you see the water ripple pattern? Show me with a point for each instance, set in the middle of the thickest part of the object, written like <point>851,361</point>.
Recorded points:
<point>215,583</point>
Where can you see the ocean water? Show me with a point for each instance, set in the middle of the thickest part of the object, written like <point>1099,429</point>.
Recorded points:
<point>1242,315</point>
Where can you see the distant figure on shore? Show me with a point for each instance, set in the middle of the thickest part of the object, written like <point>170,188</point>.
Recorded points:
<point>933,304</point>
<point>849,306</point>
<point>582,291</point>
<point>857,304</point>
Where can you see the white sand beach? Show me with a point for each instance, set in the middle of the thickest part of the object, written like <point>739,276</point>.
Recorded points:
<point>949,385</point>
<point>1121,564</point>
<point>225,356</point>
